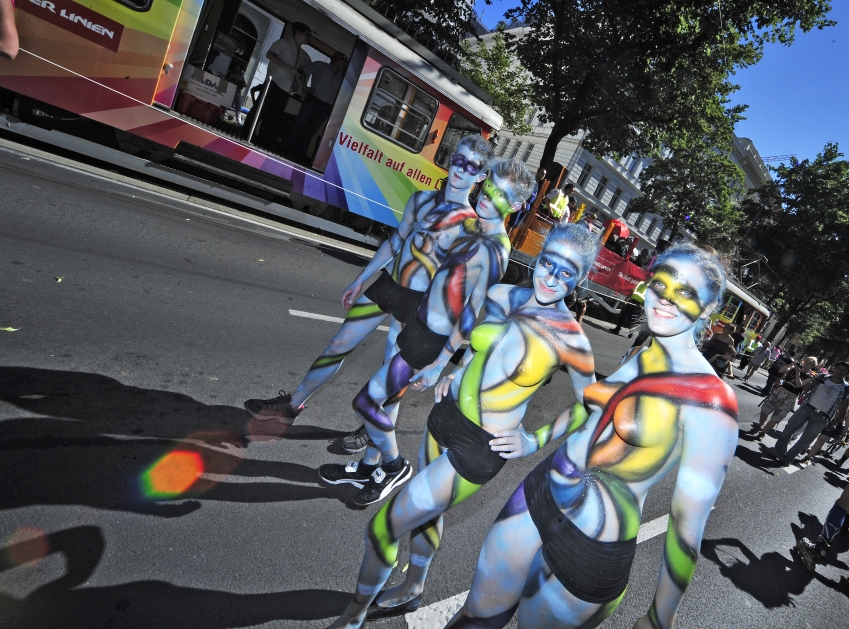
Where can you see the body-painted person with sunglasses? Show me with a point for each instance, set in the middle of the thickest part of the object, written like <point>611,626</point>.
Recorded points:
<point>406,263</point>
<point>449,309</point>
<point>475,425</point>
<point>560,551</point>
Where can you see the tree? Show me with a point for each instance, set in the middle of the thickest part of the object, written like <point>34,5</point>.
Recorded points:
<point>635,73</point>
<point>804,235</point>
<point>439,25</point>
<point>693,185</point>
<point>495,70</point>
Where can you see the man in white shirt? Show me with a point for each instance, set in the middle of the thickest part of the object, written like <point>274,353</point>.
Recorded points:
<point>325,80</point>
<point>284,65</point>
<point>827,400</point>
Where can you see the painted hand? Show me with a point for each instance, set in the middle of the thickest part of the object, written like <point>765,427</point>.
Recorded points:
<point>351,293</point>
<point>442,388</point>
<point>512,444</point>
<point>427,377</point>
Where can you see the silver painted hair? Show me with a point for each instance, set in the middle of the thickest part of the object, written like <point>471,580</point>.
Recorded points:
<point>515,172</point>
<point>478,145</point>
<point>580,239</point>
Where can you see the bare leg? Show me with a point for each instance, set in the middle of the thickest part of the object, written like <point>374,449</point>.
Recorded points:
<point>425,497</point>
<point>362,319</point>
<point>8,30</point>
<point>387,385</point>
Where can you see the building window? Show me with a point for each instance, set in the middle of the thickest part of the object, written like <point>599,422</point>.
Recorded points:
<point>599,189</point>
<point>614,200</point>
<point>399,111</point>
<point>528,152</point>
<point>458,128</point>
<point>628,209</point>
<point>585,174</point>
<point>514,150</point>
<point>504,146</point>
<point>633,165</point>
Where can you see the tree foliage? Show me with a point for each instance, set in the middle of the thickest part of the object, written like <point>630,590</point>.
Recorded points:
<point>636,74</point>
<point>693,185</point>
<point>495,70</point>
<point>437,24</point>
<point>803,233</point>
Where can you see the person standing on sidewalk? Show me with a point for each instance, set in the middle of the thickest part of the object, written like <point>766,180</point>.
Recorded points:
<point>827,399</point>
<point>759,356</point>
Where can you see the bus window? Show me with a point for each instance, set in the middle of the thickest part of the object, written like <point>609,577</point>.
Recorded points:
<point>136,5</point>
<point>458,128</point>
<point>399,111</point>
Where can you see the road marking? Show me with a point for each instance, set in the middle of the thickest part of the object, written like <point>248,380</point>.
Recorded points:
<point>321,317</point>
<point>439,613</point>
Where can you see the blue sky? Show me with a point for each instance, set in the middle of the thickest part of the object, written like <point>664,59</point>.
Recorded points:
<point>795,94</point>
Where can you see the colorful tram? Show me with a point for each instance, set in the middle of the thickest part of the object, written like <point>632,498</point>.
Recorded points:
<point>174,78</point>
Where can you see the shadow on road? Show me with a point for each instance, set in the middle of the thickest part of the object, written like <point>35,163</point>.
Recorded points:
<point>757,459</point>
<point>64,604</point>
<point>96,440</point>
<point>772,579</point>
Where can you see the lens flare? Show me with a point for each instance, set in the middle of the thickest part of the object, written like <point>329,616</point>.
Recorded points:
<point>27,546</point>
<point>172,475</point>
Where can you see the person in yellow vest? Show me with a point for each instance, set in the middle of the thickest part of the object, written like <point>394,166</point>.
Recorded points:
<point>630,310</point>
<point>557,203</point>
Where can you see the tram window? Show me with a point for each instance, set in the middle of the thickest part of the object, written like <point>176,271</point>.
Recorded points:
<point>458,128</point>
<point>730,309</point>
<point>754,322</point>
<point>136,5</point>
<point>399,111</point>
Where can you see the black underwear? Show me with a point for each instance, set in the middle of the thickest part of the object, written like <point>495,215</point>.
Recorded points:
<point>467,443</point>
<point>392,298</point>
<point>420,345</point>
<point>594,571</point>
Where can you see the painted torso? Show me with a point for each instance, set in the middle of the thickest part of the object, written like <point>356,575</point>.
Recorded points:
<point>632,439</point>
<point>517,347</point>
<point>473,253</point>
<point>437,224</point>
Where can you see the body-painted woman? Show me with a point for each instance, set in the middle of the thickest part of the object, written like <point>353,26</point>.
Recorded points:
<point>407,262</point>
<point>561,549</point>
<point>527,334</point>
<point>448,311</point>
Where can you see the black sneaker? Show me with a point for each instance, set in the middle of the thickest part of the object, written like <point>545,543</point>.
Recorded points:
<point>381,484</point>
<point>277,408</point>
<point>356,442</point>
<point>337,474</point>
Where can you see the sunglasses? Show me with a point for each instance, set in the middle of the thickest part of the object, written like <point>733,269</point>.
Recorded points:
<point>461,161</point>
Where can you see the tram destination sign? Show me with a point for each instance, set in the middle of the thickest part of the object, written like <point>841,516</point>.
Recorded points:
<point>77,19</point>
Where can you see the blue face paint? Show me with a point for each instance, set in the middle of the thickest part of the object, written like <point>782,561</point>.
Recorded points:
<point>555,275</point>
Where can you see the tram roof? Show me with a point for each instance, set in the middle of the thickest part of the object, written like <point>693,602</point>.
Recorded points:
<point>381,34</point>
<point>742,293</point>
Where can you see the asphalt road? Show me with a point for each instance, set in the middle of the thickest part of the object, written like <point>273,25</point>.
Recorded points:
<point>167,316</point>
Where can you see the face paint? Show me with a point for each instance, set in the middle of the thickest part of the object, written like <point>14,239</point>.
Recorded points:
<point>497,197</point>
<point>667,283</point>
<point>555,274</point>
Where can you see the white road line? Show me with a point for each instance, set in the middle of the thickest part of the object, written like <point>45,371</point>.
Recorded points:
<point>321,317</point>
<point>439,613</point>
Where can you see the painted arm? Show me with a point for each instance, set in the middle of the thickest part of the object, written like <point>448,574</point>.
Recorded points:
<point>710,439</point>
<point>384,254</point>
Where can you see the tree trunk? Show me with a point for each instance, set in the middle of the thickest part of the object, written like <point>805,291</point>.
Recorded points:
<point>779,325</point>
<point>551,146</point>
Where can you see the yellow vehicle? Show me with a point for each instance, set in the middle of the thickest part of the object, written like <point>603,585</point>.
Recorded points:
<point>741,308</point>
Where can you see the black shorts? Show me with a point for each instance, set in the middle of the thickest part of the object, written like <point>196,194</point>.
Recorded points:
<point>392,298</point>
<point>420,345</point>
<point>594,571</point>
<point>467,444</point>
